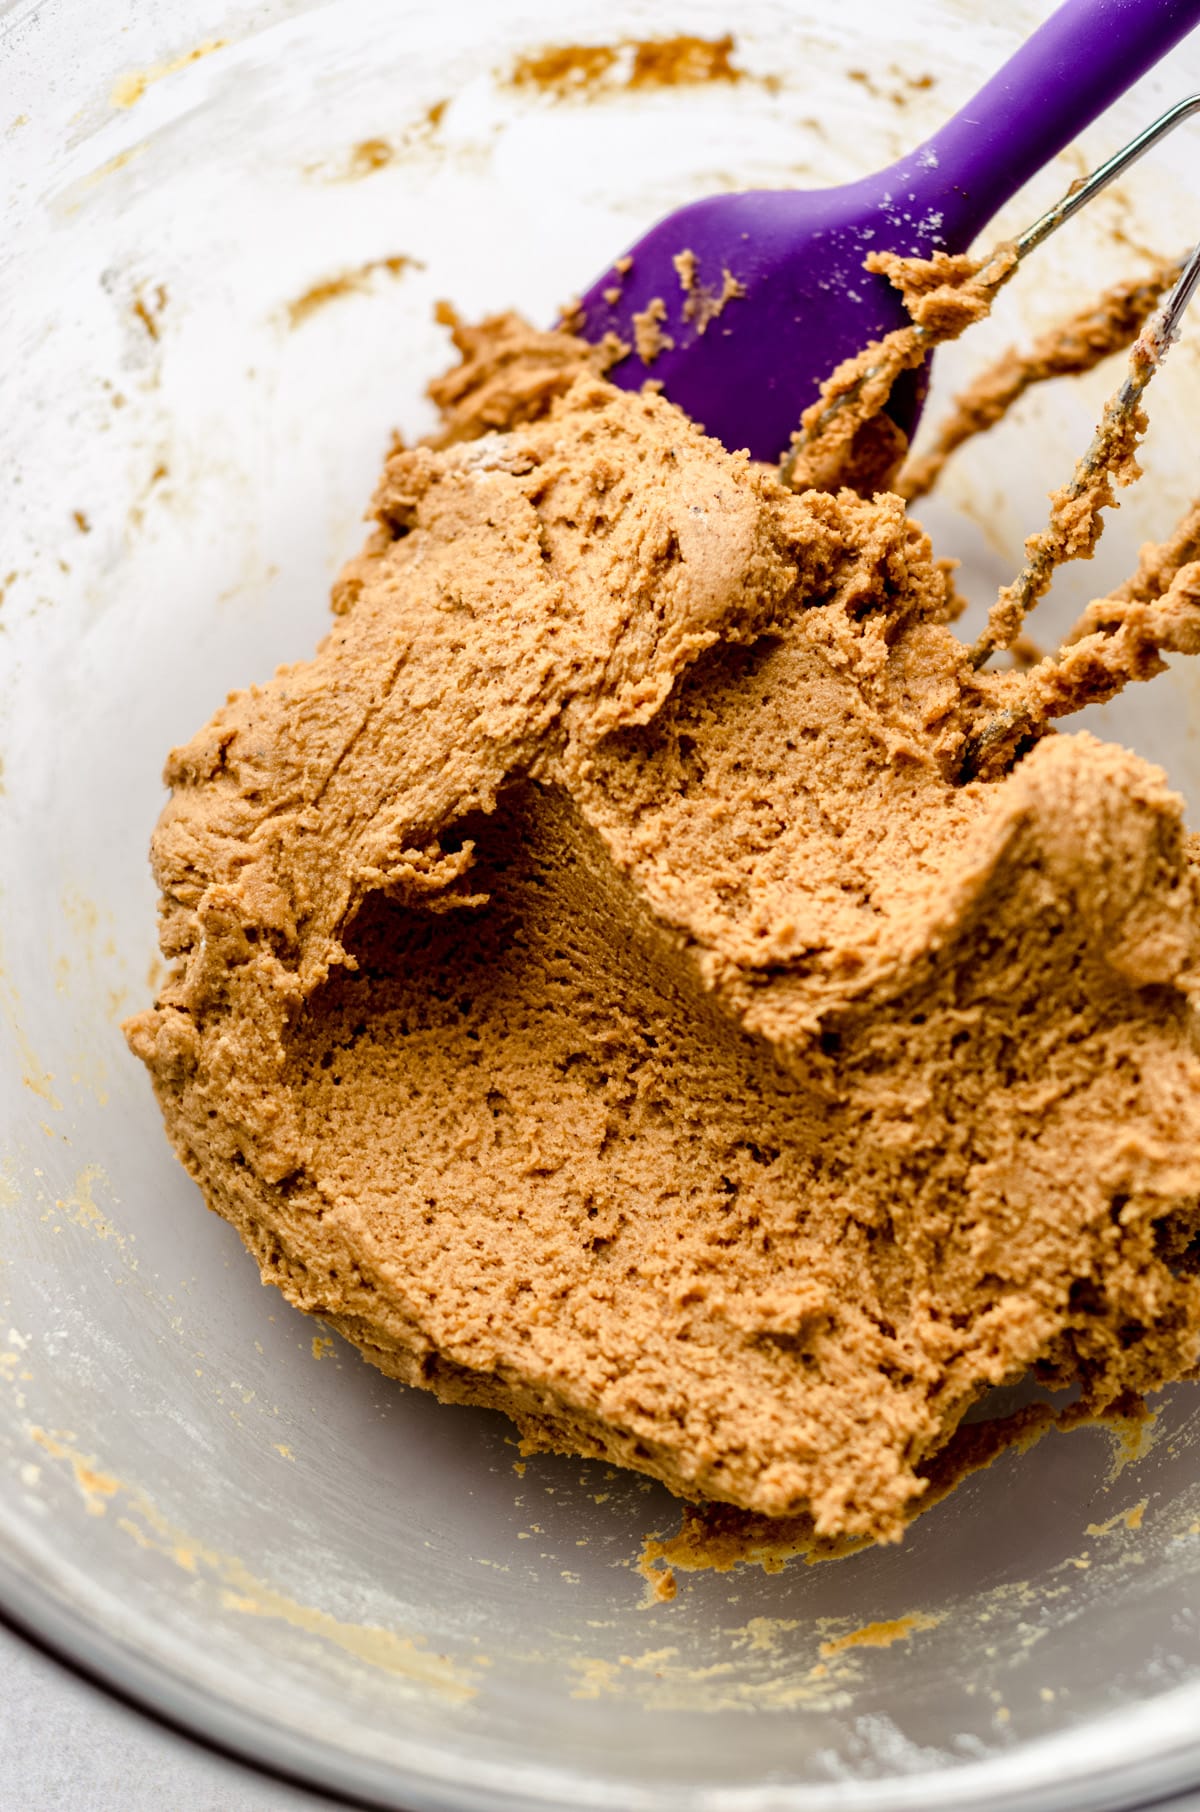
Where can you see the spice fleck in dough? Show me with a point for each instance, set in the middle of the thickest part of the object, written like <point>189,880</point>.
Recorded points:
<point>596,992</point>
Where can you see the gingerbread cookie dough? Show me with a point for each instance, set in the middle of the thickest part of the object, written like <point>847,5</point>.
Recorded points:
<point>603,987</point>
<point>1070,349</point>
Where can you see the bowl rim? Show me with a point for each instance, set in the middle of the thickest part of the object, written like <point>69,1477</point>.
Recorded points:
<point>1066,1773</point>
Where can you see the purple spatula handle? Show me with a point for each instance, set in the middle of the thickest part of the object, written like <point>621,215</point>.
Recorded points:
<point>796,257</point>
<point>1085,56</point>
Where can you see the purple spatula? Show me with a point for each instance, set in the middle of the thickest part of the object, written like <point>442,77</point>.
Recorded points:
<point>796,256</point>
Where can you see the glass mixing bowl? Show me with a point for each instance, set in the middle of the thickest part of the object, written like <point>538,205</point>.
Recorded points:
<point>224,227</point>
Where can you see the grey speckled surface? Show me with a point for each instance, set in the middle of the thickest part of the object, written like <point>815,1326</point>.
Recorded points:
<point>67,1747</point>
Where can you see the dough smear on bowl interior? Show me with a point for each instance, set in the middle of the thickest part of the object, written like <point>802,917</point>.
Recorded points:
<point>608,983</point>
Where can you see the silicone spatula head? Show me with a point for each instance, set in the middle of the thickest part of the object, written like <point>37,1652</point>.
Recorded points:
<point>740,305</point>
